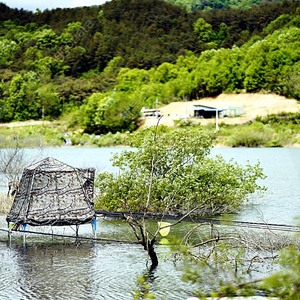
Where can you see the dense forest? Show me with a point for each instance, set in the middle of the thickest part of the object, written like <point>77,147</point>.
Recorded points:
<point>193,5</point>
<point>98,66</point>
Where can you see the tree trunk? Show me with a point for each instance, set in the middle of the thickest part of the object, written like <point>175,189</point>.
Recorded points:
<point>144,240</point>
<point>152,255</point>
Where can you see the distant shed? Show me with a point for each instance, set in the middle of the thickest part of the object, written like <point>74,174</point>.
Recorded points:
<point>234,111</point>
<point>54,193</point>
<point>206,112</point>
<point>150,112</point>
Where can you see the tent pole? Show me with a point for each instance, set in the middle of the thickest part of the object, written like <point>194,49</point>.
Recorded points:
<point>94,227</point>
<point>9,233</point>
<point>217,120</point>
<point>77,228</point>
<point>52,233</point>
<point>24,234</point>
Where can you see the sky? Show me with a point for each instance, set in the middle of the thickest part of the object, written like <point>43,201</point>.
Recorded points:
<point>49,4</point>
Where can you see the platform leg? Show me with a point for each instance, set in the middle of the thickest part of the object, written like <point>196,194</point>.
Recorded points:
<point>24,233</point>
<point>77,229</point>
<point>94,227</point>
<point>9,233</point>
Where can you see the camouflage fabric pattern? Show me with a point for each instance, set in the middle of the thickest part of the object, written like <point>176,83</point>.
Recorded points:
<point>54,193</point>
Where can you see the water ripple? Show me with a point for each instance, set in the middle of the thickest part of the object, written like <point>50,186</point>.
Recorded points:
<point>58,271</point>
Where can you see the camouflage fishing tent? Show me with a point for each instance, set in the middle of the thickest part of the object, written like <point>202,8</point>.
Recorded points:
<point>53,193</point>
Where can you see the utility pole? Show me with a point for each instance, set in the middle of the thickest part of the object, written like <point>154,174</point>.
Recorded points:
<point>43,114</point>
<point>217,120</point>
<point>185,100</point>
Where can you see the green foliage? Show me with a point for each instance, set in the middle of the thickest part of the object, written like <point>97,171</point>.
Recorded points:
<point>144,284</point>
<point>169,55</point>
<point>223,32</point>
<point>279,23</point>
<point>113,67</point>
<point>216,273</point>
<point>131,79</point>
<point>32,54</point>
<point>48,102</point>
<point>183,176</point>
<point>250,136</point>
<point>45,38</point>
<point>285,283</point>
<point>7,48</point>
<point>108,140</point>
<point>165,72</point>
<point>74,27</point>
<point>48,67</point>
<point>20,104</point>
<point>30,136</point>
<point>203,30</point>
<point>264,132</point>
<point>223,261</point>
<point>209,5</point>
<point>103,113</point>
<point>88,110</point>
<point>118,113</point>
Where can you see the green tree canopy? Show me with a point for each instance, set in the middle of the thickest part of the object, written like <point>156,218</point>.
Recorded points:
<point>203,30</point>
<point>21,102</point>
<point>103,113</point>
<point>181,173</point>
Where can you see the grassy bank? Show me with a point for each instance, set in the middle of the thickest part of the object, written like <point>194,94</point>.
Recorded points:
<point>281,130</point>
<point>53,134</point>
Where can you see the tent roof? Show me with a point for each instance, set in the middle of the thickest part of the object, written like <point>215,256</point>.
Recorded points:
<point>54,193</point>
<point>50,164</point>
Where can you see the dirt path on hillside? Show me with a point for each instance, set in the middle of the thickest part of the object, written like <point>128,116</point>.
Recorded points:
<point>253,104</point>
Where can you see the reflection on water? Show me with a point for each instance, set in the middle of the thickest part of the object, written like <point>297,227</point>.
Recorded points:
<point>49,272</point>
<point>55,269</point>
<point>65,272</point>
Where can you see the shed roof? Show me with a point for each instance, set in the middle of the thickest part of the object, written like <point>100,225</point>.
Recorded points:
<point>207,108</point>
<point>203,106</point>
<point>54,193</point>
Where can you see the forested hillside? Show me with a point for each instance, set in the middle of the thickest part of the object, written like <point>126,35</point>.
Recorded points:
<point>193,5</point>
<point>100,65</point>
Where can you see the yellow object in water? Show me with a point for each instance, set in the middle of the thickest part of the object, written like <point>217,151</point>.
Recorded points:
<point>164,241</point>
<point>164,231</point>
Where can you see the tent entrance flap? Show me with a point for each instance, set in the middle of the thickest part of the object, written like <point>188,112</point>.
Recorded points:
<point>54,193</point>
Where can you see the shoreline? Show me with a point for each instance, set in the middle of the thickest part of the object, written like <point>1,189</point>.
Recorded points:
<point>254,135</point>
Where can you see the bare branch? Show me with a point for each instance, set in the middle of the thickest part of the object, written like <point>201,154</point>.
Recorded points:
<point>189,212</point>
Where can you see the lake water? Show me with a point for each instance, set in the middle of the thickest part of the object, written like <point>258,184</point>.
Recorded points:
<point>281,202</point>
<point>47,269</point>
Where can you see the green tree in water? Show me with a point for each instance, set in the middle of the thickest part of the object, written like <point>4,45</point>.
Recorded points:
<point>172,172</point>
